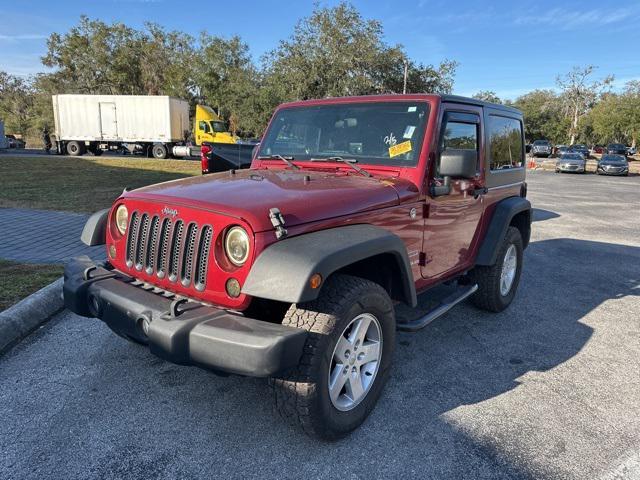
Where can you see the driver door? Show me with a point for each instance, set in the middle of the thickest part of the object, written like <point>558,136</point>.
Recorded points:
<point>452,225</point>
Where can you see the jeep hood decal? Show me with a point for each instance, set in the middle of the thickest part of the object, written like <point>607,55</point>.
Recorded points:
<point>302,196</point>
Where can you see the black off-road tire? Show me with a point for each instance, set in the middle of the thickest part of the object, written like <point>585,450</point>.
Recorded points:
<point>488,297</point>
<point>75,149</point>
<point>302,395</point>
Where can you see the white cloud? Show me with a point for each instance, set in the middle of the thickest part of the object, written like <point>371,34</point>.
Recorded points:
<point>22,36</point>
<point>567,19</point>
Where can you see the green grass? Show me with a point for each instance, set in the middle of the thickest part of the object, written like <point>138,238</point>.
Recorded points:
<point>83,184</point>
<point>18,280</point>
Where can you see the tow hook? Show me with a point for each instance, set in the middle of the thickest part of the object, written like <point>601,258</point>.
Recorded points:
<point>278,222</point>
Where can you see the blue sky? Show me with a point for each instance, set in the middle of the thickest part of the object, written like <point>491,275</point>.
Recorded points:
<point>509,47</point>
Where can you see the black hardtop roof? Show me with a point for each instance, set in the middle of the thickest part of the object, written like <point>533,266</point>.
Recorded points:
<point>480,103</point>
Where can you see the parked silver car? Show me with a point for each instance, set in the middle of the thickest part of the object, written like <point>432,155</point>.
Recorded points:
<point>613,165</point>
<point>571,162</point>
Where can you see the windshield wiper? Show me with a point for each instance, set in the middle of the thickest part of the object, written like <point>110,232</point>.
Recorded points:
<point>286,160</point>
<point>349,161</point>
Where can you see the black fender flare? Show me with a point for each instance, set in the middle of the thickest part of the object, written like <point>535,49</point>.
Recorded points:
<point>503,213</point>
<point>95,230</point>
<point>283,270</point>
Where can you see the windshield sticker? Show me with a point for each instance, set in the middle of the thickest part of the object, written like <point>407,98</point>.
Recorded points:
<point>408,132</point>
<point>412,109</point>
<point>399,149</point>
<point>390,139</point>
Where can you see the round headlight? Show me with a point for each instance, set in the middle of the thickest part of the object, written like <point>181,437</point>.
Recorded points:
<point>122,219</point>
<point>236,245</point>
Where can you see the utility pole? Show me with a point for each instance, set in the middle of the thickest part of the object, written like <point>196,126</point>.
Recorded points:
<point>406,71</point>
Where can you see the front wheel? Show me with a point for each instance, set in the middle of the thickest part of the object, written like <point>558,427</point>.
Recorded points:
<point>498,283</point>
<point>346,358</point>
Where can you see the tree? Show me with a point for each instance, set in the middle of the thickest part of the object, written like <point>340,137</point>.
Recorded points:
<point>336,52</point>
<point>543,116</point>
<point>580,95</point>
<point>487,96</point>
<point>97,58</point>
<point>227,80</point>
<point>16,102</point>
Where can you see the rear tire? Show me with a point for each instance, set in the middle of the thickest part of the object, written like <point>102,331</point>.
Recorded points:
<point>498,283</point>
<point>343,370</point>
<point>159,151</point>
<point>75,149</point>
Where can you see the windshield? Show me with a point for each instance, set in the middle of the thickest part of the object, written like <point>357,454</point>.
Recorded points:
<point>572,156</point>
<point>617,146</point>
<point>541,142</point>
<point>384,133</point>
<point>581,147</point>
<point>613,158</point>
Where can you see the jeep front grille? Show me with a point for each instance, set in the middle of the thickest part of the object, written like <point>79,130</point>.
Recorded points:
<point>163,247</point>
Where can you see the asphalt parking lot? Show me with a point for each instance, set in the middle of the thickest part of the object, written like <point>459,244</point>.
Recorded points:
<point>549,388</point>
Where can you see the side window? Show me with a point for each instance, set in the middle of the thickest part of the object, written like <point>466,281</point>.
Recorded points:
<point>460,136</point>
<point>204,126</point>
<point>460,132</point>
<point>505,143</point>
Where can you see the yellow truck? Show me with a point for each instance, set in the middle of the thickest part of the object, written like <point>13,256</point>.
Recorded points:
<point>208,127</point>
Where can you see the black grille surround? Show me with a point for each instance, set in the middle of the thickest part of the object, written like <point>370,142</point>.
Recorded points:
<point>169,248</point>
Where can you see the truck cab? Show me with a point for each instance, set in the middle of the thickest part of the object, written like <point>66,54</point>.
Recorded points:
<point>208,127</point>
<point>292,269</point>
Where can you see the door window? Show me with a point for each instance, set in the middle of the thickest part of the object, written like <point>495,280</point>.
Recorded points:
<point>460,132</point>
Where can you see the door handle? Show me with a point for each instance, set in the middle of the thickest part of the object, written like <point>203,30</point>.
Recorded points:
<point>480,191</point>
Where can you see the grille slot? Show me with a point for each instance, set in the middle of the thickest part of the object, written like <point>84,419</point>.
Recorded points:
<point>163,253</point>
<point>133,238</point>
<point>176,246</point>
<point>142,241</point>
<point>203,257</point>
<point>163,247</point>
<point>151,247</point>
<point>189,251</point>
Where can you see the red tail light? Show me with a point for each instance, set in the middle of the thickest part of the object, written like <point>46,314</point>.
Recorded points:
<point>205,150</point>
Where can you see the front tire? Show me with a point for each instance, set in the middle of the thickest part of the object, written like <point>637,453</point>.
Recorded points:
<point>498,283</point>
<point>346,359</point>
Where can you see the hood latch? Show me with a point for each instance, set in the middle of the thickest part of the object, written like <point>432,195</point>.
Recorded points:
<point>278,222</point>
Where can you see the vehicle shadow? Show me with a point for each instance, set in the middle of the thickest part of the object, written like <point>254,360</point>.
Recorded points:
<point>540,215</point>
<point>193,423</point>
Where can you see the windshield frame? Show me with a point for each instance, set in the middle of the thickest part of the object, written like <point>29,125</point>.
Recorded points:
<point>418,139</point>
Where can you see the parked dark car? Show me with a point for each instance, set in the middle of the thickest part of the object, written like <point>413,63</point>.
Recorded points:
<point>580,148</point>
<point>541,148</point>
<point>571,162</point>
<point>616,149</point>
<point>560,150</point>
<point>598,149</point>
<point>613,165</point>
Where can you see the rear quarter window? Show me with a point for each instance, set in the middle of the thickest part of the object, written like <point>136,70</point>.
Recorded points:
<point>505,143</point>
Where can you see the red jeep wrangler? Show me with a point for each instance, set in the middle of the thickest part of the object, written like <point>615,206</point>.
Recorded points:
<point>291,269</point>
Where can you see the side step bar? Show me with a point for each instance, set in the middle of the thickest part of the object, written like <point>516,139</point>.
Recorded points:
<point>447,304</point>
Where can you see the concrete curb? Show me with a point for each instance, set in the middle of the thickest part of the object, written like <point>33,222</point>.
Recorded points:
<point>25,316</point>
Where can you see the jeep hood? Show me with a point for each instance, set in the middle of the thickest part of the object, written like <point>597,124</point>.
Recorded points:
<point>302,196</point>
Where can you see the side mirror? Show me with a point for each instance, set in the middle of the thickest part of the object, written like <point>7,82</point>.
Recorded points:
<point>458,163</point>
<point>455,163</point>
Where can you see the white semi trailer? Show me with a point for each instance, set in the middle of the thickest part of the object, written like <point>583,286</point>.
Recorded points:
<point>95,123</point>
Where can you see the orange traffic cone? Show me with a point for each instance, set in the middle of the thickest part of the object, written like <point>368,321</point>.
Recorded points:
<point>532,163</point>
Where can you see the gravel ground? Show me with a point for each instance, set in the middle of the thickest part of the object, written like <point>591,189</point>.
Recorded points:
<point>548,389</point>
